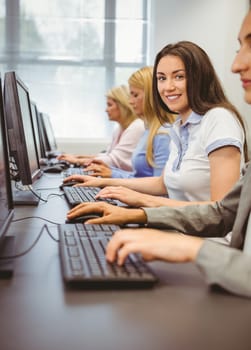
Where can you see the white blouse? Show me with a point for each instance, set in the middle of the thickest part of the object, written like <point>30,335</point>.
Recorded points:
<point>187,171</point>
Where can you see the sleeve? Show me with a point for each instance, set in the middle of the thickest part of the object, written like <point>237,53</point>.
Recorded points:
<point>122,174</point>
<point>221,128</point>
<point>160,152</point>
<point>120,155</point>
<point>206,220</point>
<point>226,267</point>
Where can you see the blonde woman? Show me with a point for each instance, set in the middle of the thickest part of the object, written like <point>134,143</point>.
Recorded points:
<point>152,150</point>
<point>125,137</point>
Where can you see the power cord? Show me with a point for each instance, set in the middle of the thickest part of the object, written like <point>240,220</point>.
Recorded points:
<point>43,199</point>
<point>44,228</point>
<point>29,187</point>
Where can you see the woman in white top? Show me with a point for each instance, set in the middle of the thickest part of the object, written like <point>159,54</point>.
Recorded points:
<point>125,136</point>
<point>208,144</point>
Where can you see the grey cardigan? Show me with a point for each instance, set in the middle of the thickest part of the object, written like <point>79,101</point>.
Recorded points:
<point>223,265</point>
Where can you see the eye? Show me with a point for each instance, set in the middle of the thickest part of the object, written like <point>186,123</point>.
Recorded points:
<point>161,78</point>
<point>179,76</point>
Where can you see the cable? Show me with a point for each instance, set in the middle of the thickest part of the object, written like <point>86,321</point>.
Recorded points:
<point>45,200</point>
<point>44,227</point>
<point>35,217</point>
<point>36,195</point>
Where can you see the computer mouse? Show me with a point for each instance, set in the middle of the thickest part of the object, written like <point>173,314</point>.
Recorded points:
<point>43,161</point>
<point>53,169</point>
<point>64,164</point>
<point>82,218</point>
<point>68,184</point>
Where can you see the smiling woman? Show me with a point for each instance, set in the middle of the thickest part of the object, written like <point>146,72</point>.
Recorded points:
<point>207,148</point>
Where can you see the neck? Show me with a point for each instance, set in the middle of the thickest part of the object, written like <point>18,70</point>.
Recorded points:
<point>124,125</point>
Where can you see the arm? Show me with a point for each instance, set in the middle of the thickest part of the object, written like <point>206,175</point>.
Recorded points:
<point>200,220</point>
<point>228,267</point>
<point>160,152</point>
<point>224,173</point>
<point>119,155</point>
<point>154,185</point>
<point>220,264</point>
<point>225,164</point>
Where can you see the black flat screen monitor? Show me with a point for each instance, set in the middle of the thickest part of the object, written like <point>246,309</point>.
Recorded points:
<point>22,146</point>
<point>6,202</point>
<point>50,140</point>
<point>38,132</point>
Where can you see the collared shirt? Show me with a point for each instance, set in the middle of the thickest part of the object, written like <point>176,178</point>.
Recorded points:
<point>142,168</point>
<point>187,171</point>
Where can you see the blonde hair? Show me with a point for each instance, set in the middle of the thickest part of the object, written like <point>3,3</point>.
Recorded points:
<point>120,94</point>
<point>142,79</point>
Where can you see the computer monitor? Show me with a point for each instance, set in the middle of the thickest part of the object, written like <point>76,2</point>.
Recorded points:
<point>6,202</point>
<point>38,132</point>
<point>22,146</point>
<point>50,140</point>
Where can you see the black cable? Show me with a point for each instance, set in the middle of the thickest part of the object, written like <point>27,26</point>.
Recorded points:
<point>44,227</point>
<point>35,217</point>
<point>50,195</point>
<point>36,195</point>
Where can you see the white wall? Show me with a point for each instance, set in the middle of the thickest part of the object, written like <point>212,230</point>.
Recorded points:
<point>214,25</point>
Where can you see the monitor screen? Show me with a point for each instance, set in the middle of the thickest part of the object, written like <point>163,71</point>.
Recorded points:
<point>50,139</point>
<point>22,146</point>
<point>37,131</point>
<point>6,203</point>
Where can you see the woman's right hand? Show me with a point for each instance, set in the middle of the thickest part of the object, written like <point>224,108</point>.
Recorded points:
<point>85,180</point>
<point>109,214</point>
<point>126,195</point>
<point>69,158</point>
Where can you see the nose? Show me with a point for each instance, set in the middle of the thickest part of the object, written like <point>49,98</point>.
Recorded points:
<point>131,100</point>
<point>168,84</point>
<point>240,62</point>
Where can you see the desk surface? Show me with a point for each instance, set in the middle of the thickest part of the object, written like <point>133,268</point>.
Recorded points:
<point>37,312</point>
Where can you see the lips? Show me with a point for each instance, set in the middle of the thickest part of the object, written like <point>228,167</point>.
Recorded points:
<point>173,97</point>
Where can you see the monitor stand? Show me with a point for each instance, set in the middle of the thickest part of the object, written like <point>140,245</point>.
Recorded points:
<point>7,249</point>
<point>24,197</point>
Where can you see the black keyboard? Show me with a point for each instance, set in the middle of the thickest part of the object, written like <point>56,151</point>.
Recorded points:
<point>76,171</point>
<point>83,262</point>
<point>77,195</point>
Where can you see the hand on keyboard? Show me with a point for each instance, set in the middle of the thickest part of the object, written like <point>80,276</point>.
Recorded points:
<point>99,168</point>
<point>86,180</point>
<point>109,213</point>
<point>82,254</point>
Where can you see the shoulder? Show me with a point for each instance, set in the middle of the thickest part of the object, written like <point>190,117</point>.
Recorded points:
<point>219,113</point>
<point>220,116</point>
<point>164,129</point>
<point>137,123</point>
<point>136,127</point>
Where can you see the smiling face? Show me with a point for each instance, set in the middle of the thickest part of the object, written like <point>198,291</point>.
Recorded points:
<point>136,100</point>
<point>242,61</point>
<point>172,85</point>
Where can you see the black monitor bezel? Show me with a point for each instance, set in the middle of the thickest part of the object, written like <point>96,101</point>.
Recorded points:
<point>15,129</point>
<point>3,127</point>
<point>37,131</point>
<point>50,142</point>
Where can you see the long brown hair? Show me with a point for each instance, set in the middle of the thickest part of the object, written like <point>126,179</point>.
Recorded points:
<point>204,90</point>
